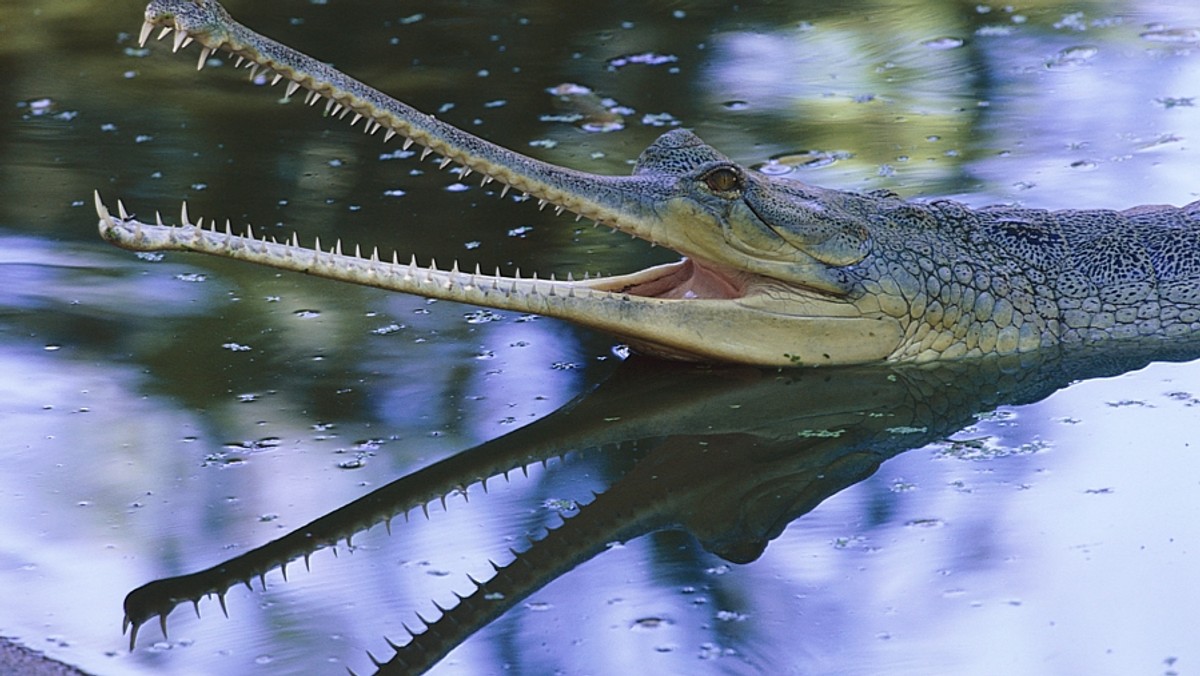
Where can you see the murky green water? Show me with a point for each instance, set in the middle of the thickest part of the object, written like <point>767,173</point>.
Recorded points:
<point>163,414</point>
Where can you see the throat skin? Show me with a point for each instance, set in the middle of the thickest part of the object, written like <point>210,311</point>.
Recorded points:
<point>773,272</point>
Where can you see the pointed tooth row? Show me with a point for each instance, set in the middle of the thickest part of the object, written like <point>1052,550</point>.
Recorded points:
<point>430,274</point>
<point>332,107</point>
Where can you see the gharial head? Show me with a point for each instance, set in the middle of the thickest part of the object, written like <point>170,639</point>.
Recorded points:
<point>774,227</point>
<point>764,275</point>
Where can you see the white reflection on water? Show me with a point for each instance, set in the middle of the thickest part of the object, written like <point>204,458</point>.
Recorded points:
<point>1078,557</point>
<point>1064,552</point>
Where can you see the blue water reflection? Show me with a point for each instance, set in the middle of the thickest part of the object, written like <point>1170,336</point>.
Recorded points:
<point>164,414</point>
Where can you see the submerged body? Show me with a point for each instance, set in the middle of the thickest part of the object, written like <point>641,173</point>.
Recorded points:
<point>775,272</point>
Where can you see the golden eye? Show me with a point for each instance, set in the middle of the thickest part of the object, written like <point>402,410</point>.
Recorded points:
<point>723,179</point>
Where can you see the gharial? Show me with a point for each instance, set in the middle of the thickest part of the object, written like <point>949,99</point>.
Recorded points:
<point>774,272</point>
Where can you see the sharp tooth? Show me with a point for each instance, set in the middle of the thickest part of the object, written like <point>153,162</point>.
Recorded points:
<point>337,108</point>
<point>329,106</point>
<point>180,37</point>
<point>504,190</point>
<point>275,80</point>
<point>291,89</point>
<point>187,42</point>
<point>101,210</point>
<point>238,63</point>
<point>147,29</point>
<point>121,210</point>
<point>183,214</point>
<point>444,163</point>
<point>357,117</point>
<point>541,204</point>
<point>253,71</point>
<point>387,136</point>
<point>204,54</point>
<point>164,32</point>
<point>558,210</point>
<point>407,144</point>
<point>425,152</point>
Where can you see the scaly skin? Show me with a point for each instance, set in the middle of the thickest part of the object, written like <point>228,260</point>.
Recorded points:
<point>775,272</point>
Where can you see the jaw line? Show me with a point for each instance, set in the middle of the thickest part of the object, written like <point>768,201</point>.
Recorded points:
<point>693,309</point>
<point>690,279</point>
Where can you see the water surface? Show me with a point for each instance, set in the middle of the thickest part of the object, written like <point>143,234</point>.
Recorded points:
<point>165,413</point>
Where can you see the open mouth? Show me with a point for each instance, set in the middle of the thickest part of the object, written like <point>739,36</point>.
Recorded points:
<point>704,307</point>
<point>687,279</point>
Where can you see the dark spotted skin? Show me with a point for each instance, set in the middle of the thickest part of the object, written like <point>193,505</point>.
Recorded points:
<point>1009,279</point>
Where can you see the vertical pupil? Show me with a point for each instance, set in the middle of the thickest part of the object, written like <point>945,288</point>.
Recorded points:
<point>722,179</point>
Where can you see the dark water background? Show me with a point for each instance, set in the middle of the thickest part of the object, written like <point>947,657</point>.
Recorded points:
<point>163,413</point>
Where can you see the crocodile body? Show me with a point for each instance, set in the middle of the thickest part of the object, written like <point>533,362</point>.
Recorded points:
<point>774,272</point>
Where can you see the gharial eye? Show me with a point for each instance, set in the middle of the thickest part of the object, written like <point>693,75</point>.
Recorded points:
<point>723,179</point>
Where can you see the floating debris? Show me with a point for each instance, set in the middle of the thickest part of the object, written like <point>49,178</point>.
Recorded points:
<point>802,159</point>
<point>582,107</point>
<point>1172,35</point>
<point>1176,102</point>
<point>645,59</point>
<point>943,43</point>
<point>1072,57</point>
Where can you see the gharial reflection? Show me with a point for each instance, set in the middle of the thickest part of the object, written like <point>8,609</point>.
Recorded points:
<point>729,455</point>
